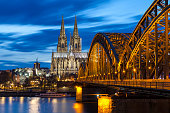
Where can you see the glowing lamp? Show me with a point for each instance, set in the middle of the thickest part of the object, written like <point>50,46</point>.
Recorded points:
<point>123,71</point>
<point>149,67</point>
<point>134,69</point>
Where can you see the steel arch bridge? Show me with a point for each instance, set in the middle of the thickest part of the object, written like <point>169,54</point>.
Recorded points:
<point>143,54</point>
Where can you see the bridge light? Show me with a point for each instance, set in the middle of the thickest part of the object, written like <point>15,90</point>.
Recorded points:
<point>123,71</point>
<point>149,67</point>
<point>115,72</point>
<point>134,69</point>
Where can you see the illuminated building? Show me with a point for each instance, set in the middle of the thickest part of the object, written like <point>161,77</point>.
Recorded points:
<point>36,67</point>
<point>66,62</point>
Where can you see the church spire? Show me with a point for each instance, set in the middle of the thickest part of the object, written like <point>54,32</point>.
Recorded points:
<point>62,31</point>
<point>62,39</point>
<point>75,28</point>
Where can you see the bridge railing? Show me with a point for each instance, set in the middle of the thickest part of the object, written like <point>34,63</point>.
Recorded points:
<point>135,83</point>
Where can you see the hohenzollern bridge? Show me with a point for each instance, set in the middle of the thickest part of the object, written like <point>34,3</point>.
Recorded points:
<point>141,58</point>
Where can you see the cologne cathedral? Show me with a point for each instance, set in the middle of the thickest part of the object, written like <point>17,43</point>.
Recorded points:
<point>67,59</point>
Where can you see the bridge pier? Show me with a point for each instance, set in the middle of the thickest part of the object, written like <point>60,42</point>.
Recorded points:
<point>84,94</point>
<point>91,92</point>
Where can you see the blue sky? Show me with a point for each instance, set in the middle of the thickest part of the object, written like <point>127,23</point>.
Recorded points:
<point>30,28</point>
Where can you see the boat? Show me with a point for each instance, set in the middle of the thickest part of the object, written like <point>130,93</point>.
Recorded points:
<point>53,95</point>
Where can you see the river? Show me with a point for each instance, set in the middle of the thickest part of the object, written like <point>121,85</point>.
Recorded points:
<point>69,105</point>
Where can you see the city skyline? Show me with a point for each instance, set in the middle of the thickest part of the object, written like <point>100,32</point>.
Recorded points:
<point>30,29</point>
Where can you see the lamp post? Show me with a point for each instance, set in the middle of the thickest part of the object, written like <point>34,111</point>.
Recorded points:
<point>134,70</point>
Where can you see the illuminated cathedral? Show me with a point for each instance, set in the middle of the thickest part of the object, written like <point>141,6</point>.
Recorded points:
<point>67,59</point>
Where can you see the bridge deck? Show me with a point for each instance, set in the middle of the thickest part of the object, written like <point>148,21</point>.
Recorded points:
<point>150,83</point>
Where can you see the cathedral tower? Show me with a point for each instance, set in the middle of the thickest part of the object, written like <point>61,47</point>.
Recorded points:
<point>76,40</point>
<point>62,40</point>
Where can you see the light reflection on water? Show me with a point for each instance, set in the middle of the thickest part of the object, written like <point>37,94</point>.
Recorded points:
<point>2,101</point>
<point>34,105</point>
<point>10,100</point>
<point>69,105</point>
<point>78,107</point>
<point>21,100</point>
<point>44,105</point>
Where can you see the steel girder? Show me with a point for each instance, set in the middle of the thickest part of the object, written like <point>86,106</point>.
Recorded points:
<point>144,54</point>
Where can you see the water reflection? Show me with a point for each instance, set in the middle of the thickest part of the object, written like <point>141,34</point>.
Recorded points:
<point>34,105</point>
<point>78,107</point>
<point>54,101</point>
<point>2,100</point>
<point>21,100</point>
<point>49,100</point>
<point>10,100</point>
<point>104,104</point>
<point>64,106</point>
<point>55,107</point>
<point>44,105</point>
<point>69,105</point>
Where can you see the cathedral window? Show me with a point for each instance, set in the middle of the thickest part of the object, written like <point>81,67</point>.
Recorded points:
<point>76,45</point>
<point>62,45</point>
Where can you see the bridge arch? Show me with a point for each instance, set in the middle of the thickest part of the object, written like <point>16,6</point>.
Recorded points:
<point>143,54</point>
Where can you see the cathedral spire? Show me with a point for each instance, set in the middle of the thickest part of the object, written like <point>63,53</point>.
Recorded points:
<point>75,28</point>
<point>62,39</point>
<point>62,32</point>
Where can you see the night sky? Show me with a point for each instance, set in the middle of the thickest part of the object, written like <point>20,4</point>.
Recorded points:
<point>29,29</point>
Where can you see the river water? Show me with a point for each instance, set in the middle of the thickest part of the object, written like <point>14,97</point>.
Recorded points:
<point>69,105</point>
<point>45,105</point>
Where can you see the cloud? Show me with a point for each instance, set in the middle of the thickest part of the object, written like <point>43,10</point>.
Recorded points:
<point>10,65</point>
<point>46,61</point>
<point>21,30</point>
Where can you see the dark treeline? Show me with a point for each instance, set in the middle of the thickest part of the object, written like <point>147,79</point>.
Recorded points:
<point>5,76</point>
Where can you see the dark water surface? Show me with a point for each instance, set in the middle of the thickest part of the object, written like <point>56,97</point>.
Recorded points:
<point>141,106</point>
<point>69,105</point>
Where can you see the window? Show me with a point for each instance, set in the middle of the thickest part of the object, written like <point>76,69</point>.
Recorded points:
<point>76,45</point>
<point>62,45</point>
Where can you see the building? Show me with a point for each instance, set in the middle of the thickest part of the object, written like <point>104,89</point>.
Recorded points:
<point>37,64</point>
<point>65,62</point>
<point>36,67</point>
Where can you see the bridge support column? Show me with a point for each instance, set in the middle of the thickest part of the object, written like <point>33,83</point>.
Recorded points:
<point>88,93</point>
<point>147,57</point>
<point>166,72</point>
<point>134,68</point>
<point>139,74</point>
<point>79,94</point>
<point>156,51</point>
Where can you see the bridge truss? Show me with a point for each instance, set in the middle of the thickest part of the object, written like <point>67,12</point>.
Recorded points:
<point>143,54</point>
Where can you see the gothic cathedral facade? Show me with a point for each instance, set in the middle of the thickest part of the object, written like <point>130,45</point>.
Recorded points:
<point>66,61</point>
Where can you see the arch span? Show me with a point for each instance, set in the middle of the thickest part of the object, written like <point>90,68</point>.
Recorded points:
<point>143,54</point>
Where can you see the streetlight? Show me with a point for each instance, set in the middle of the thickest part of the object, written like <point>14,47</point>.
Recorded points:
<point>123,71</point>
<point>149,67</point>
<point>134,69</point>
